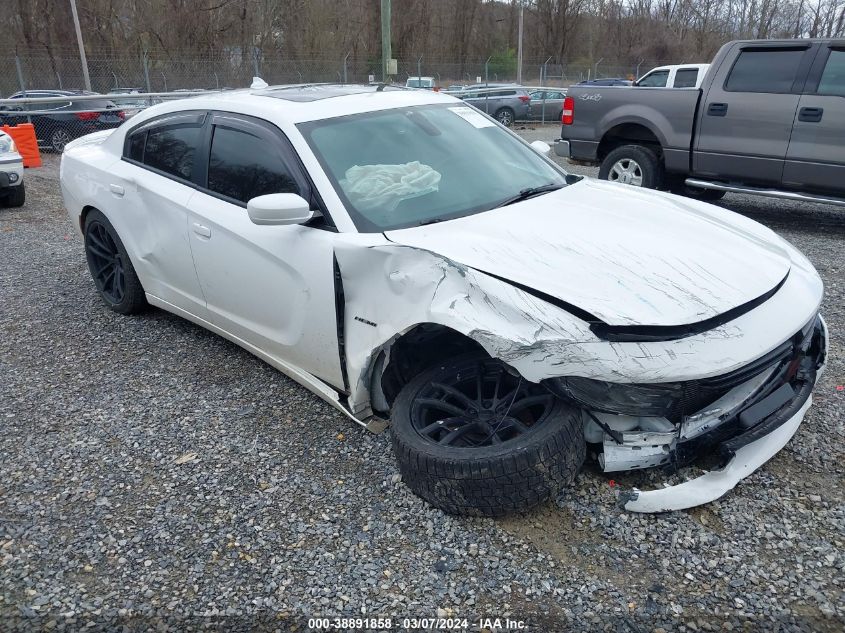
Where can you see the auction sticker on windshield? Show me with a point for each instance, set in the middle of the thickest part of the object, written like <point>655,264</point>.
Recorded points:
<point>473,116</point>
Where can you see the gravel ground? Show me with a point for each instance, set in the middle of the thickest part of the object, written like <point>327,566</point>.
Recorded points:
<point>154,475</point>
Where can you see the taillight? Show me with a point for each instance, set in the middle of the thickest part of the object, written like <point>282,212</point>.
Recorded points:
<point>87,116</point>
<point>568,114</point>
<point>121,115</point>
<point>524,98</point>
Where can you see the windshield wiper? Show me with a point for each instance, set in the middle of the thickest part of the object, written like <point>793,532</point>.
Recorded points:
<point>530,192</point>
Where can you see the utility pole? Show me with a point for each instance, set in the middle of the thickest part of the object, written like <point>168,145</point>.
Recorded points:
<point>85,76</point>
<point>386,53</point>
<point>519,47</point>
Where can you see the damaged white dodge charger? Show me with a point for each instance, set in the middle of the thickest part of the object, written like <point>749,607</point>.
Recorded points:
<point>407,258</point>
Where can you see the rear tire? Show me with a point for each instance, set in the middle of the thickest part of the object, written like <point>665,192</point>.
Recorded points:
<point>58,139</point>
<point>505,116</point>
<point>636,165</point>
<point>539,451</point>
<point>110,266</point>
<point>16,197</point>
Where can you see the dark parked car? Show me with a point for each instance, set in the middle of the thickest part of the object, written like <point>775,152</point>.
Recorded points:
<point>66,120</point>
<point>610,81</point>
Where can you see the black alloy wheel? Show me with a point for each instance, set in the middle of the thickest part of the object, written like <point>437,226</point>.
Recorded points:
<point>105,264</point>
<point>480,405</point>
<point>110,266</point>
<point>473,438</point>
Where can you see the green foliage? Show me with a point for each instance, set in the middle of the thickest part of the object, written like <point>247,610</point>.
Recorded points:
<point>503,63</point>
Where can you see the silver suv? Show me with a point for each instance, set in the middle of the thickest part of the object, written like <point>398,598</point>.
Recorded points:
<point>506,103</point>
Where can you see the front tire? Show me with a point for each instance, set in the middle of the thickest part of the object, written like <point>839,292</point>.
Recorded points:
<point>473,439</point>
<point>505,116</point>
<point>110,266</point>
<point>16,197</point>
<point>635,165</point>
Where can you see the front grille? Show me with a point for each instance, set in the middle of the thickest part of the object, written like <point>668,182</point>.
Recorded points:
<point>697,394</point>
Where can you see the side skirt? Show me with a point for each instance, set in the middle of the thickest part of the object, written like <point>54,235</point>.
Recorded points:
<point>310,382</point>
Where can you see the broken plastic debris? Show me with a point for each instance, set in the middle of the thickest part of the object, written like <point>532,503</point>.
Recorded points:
<point>716,483</point>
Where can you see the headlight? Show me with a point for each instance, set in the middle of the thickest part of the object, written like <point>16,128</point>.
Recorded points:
<point>611,397</point>
<point>7,145</point>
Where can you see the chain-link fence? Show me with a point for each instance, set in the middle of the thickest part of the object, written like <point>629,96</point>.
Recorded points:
<point>163,73</point>
<point>126,85</point>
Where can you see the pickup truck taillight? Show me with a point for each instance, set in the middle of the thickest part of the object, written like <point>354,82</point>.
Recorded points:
<point>568,114</point>
<point>524,98</point>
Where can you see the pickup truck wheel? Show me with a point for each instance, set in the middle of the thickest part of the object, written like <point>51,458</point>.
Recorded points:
<point>505,116</point>
<point>473,439</point>
<point>632,165</point>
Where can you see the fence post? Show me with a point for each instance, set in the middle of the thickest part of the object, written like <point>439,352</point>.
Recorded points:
<point>487,84</point>
<point>255,53</point>
<point>21,82</point>
<point>419,66</point>
<point>147,77</point>
<point>345,59</point>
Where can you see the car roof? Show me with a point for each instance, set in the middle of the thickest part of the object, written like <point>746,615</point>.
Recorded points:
<point>305,102</point>
<point>317,92</point>
<point>678,66</point>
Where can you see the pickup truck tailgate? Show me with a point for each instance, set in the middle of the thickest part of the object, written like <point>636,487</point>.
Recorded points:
<point>669,114</point>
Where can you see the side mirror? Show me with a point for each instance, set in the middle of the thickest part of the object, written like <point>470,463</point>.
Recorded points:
<point>277,209</point>
<point>541,147</point>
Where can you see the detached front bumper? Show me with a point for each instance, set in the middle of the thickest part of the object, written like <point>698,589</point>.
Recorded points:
<point>746,439</point>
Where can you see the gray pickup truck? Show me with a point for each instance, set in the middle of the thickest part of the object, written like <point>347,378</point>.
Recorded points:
<point>769,119</point>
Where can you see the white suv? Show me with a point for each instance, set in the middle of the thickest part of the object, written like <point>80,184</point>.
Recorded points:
<point>12,192</point>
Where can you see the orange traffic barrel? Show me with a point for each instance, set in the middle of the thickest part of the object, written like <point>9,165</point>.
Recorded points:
<point>24,137</point>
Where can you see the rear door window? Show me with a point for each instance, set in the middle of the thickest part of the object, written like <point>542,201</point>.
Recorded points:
<point>765,70</point>
<point>242,166</point>
<point>833,76</point>
<point>686,77</point>
<point>172,149</point>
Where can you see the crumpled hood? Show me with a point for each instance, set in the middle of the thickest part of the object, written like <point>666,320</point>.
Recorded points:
<point>626,255</point>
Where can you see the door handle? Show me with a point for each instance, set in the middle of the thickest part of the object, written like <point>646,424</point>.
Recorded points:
<point>810,115</point>
<point>117,190</point>
<point>717,109</point>
<point>202,231</point>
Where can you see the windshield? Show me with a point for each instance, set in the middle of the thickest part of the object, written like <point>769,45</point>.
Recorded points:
<point>410,166</point>
<point>419,83</point>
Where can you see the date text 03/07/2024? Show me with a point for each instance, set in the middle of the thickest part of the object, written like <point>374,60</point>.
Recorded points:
<point>486,624</point>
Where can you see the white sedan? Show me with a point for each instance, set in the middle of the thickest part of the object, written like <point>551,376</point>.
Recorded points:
<point>408,259</point>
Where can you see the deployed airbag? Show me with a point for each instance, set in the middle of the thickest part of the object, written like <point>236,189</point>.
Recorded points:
<point>383,187</point>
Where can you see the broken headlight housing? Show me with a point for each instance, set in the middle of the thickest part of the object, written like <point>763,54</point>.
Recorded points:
<point>611,397</point>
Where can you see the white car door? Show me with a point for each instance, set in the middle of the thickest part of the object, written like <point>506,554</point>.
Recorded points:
<point>271,286</point>
<point>151,187</point>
